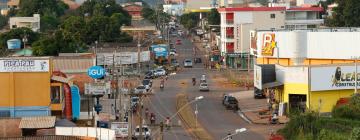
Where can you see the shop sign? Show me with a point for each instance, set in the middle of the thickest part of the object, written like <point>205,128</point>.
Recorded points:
<point>24,65</point>
<point>233,54</point>
<point>100,88</point>
<point>268,44</point>
<point>333,78</point>
<point>96,72</point>
<point>257,77</point>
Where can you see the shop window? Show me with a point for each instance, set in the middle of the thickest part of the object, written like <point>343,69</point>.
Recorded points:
<point>272,15</point>
<point>55,94</point>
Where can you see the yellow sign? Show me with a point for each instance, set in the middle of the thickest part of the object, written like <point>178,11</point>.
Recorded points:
<point>268,44</point>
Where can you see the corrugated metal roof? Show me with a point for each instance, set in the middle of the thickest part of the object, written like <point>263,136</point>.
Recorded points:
<point>37,122</point>
<point>73,64</point>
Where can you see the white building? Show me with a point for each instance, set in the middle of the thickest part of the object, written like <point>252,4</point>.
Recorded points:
<point>30,22</point>
<point>236,24</point>
<point>174,9</point>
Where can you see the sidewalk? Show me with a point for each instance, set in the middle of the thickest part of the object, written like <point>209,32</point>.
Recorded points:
<point>251,107</point>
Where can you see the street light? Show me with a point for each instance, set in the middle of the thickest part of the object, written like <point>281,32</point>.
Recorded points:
<point>196,99</point>
<point>237,131</point>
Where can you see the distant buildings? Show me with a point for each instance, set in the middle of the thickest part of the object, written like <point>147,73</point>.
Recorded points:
<point>30,22</point>
<point>134,9</point>
<point>174,9</point>
<point>6,5</point>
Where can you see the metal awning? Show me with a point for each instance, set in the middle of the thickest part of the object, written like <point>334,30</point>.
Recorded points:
<point>272,84</point>
<point>37,122</point>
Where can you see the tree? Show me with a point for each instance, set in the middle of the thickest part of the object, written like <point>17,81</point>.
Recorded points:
<point>49,22</point>
<point>214,17</point>
<point>346,14</point>
<point>18,33</point>
<point>189,20</point>
<point>42,7</point>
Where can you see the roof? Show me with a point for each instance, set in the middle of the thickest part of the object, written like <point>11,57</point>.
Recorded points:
<point>316,9</point>
<point>37,122</point>
<point>272,84</point>
<point>252,9</point>
<point>73,64</point>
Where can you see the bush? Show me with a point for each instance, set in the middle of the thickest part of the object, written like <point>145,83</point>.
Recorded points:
<point>348,111</point>
<point>355,134</point>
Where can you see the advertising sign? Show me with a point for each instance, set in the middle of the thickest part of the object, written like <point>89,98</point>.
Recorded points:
<point>96,72</point>
<point>333,78</point>
<point>75,97</point>
<point>97,88</point>
<point>160,50</point>
<point>268,44</point>
<point>257,77</point>
<point>24,65</point>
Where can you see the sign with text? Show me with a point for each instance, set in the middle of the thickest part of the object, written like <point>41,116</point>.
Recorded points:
<point>333,78</point>
<point>96,72</point>
<point>24,65</point>
<point>100,88</point>
<point>257,77</point>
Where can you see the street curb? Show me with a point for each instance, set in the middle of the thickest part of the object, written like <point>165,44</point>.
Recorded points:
<point>244,117</point>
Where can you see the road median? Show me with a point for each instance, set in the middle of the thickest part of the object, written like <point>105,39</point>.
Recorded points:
<point>188,117</point>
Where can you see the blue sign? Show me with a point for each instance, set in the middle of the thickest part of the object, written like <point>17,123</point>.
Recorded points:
<point>96,72</point>
<point>75,98</point>
<point>160,50</point>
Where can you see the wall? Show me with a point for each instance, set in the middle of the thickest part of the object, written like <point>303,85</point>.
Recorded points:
<point>328,99</point>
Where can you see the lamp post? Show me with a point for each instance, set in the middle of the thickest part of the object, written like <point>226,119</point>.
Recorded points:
<point>237,131</point>
<point>356,71</point>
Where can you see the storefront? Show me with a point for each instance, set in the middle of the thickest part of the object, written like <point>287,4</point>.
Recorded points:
<point>238,60</point>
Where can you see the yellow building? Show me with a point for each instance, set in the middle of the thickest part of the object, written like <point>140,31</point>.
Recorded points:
<point>26,88</point>
<point>306,66</point>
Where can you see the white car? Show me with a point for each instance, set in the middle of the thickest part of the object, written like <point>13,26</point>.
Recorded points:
<point>204,87</point>
<point>188,63</point>
<point>159,72</point>
<point>140,89</point>
<point>146,133</point>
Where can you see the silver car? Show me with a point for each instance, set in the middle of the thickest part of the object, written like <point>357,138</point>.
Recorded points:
<point>188,63</point>
<point>204,87</point>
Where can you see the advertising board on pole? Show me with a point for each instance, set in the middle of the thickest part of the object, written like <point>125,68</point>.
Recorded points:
<point>100,88</point>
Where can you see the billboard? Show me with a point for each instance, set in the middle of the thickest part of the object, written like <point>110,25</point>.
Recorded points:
<point>100,88</point>
<point>24,65</point>
<point>122,58</point>
<point>333,78</point>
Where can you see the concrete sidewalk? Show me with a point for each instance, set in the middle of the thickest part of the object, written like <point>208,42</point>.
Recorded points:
<point>251,107</point>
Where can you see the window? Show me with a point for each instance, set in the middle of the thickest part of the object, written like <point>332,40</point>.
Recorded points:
<point>14,26</point>
<point>55,94</point>
<point>272,15</point>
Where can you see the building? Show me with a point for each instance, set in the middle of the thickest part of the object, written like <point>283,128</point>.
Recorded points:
<point>197,5</point>
<point>236,24</point>
<point>174,1</point>
<point>30,22</point>
<point>307,2</point>
<point>174,9</point>
<point>313,69</point>
<point>13,4</point>
<point>134,9</point>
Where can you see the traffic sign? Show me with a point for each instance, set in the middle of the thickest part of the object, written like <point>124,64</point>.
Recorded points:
<point>96,72</point>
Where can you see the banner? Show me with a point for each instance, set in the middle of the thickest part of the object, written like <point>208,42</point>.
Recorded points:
<point>24,65</point>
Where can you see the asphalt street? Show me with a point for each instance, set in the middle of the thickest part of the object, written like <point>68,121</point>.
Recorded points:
<point>211,114</point>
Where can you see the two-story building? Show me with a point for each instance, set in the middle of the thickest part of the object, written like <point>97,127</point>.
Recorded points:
<point>134,9</point>
<point>30,22</point>
<point>236,24</point>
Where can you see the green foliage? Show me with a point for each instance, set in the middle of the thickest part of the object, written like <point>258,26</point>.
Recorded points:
<point>42,7</point>
<point>189,20</point>
<point>214,17</point>
<point>18,33</point>
<point>3,21</point>
<point>348,111</point>
<point>49,22</point>
<point>355,134</point>
<point>346,14</point>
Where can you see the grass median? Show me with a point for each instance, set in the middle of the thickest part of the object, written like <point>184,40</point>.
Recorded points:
<point>188,117</point>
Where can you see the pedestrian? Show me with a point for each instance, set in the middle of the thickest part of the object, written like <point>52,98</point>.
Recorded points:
<point>152,118</point>
<point>146,113</point>
<point>112,109</point>
<point>117,115</point>
<point>167,123</point>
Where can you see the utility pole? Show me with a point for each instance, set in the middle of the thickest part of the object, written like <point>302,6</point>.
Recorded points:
<point>130,120</point>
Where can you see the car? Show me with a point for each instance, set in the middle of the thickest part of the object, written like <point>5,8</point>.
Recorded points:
<point>197,60</point>
<point>258,93</point>
<point>175,63</point>
<point>188,63</point>
<point>140,89</point>
<point>172,52</point>
<point>203,78</point>
<point>204,87</point>
<point>147,83</point>
<point>178,42</point>
<point>180,32</point>
<point>149,75</point>
<point>134,103</point>
<point>160,72</point>
<point>231,102</point>
<point>146,133</point>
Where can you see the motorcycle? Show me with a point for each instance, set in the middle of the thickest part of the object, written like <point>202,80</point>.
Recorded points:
<point>194,81</point>
<point>161,86</point>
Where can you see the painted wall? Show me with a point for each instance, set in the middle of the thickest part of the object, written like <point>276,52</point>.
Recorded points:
<point>328,99</point>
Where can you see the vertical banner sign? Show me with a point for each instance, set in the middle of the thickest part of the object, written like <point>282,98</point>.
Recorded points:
<point>257,77</point>
<point>75,97</point>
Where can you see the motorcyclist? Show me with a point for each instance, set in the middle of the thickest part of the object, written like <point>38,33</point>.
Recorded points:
<point>152,118</point>
<point>194,81</point>
<point>162,83</point>
<point>146,112</point>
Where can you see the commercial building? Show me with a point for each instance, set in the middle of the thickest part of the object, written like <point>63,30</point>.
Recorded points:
<point>313,69</point>
<point>134,9</point>
<point>236,24</point>
<point>174,9</point>
<point>30,22</point>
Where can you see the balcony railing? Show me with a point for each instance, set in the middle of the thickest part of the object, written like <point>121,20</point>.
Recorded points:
<point>230,36</point>
<point>229,21</point>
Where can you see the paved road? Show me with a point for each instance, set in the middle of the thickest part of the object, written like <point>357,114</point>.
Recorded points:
<point>212,115</point>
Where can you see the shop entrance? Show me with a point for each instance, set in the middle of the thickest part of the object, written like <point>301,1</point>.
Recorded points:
<point>297,102</point>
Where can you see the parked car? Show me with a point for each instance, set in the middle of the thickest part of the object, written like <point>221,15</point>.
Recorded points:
<point>134,103</point>
<point>175,63</point>
<point>231,102</point>
<point>149,75</point>
<point>188,63</point>
<point>204,87</point>
<point>140,89</point>
<point>146,133</point>
<point>147,83</point>
<point>178,42</point>
<point>159,72</point>
<point>172,52</point>
<point>197,60</point>
<point>258,93</point>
